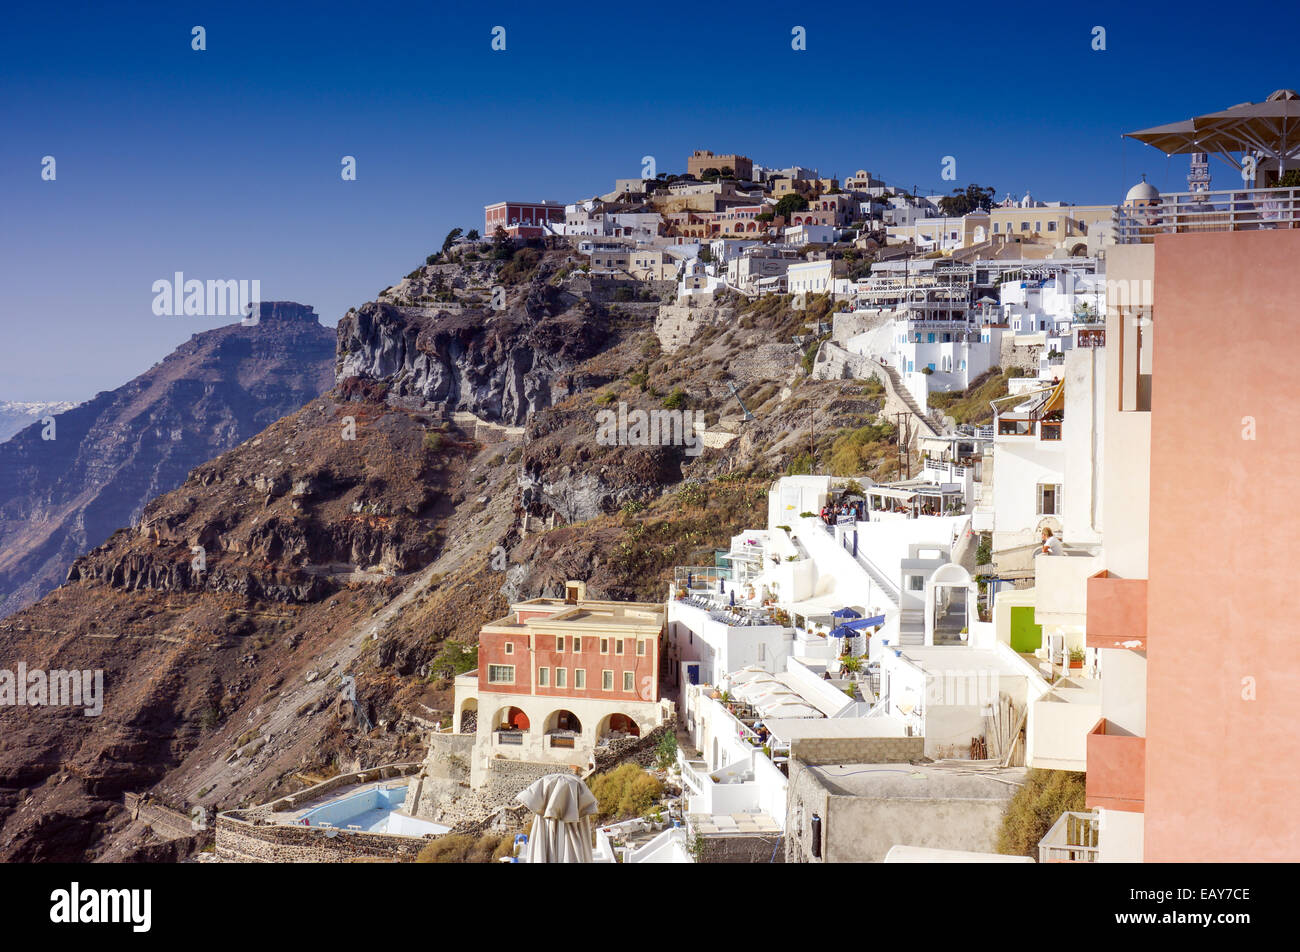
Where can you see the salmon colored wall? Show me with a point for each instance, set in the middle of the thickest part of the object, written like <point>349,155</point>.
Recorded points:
<point>1116,770</point>
<point>1117,612</point>
<point>1224,605</point>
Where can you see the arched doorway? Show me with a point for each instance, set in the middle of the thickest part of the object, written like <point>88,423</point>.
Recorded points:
<point>949,598</point>
<point>469,716</point>
<point>512,719</point>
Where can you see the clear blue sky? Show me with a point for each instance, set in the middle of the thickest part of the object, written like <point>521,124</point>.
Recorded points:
<point>225,163</point>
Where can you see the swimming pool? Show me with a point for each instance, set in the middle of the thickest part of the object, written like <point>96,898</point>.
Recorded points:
<point>372,811</point>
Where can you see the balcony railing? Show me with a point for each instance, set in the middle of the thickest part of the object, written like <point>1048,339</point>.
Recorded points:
<point>510,738</point>
<point>1073,838</point>
<point>1246,209</point>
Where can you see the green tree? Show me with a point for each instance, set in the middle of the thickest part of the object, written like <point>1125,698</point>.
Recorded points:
<point>473,234</point>
<point>789,204</point>
<point>502,247</point>
<point>451,237</point>
<point>964,201</point>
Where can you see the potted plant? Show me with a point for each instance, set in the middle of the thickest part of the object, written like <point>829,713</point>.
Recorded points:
<point>1076,657</point>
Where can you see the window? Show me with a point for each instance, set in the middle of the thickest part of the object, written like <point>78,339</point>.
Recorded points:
<point>561,677</point>
<point>1051,226</point>
<point>501,674</point>
<point>607,680</point>
<point>559,642</point>
<point>916,583</point>
<point>996,226</point>
<point>640,646</point>
<point>604,646</point>
<point>627,681</point>
<point>510,647</point>
<point>1024,226</point>
<point>1049,499</point>
<point>580,678</point>
<point>577,645</point>
<point>929,338</point>
<point>618,646</point>
<point>543,677</point>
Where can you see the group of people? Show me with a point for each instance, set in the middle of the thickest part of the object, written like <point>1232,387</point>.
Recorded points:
<point>832,513</point>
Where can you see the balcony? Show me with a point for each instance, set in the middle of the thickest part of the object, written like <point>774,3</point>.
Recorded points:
<point>1073,838</point>
<point>1116,769</point>
<point>1246,209</point>
<point>1117,612</point>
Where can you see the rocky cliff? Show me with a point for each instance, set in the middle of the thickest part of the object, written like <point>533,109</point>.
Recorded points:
<point>368,536</point>
<point>109,456</point>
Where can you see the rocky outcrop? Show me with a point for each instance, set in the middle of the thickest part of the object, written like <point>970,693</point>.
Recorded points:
<point>500,365</point>
<point>108,457</point>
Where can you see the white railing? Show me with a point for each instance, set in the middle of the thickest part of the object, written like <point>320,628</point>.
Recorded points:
<point>1073,838</point>
<point>1245,209</point>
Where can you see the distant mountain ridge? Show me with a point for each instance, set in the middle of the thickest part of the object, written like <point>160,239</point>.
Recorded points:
<point>17,414</point>
<point>122,448</point>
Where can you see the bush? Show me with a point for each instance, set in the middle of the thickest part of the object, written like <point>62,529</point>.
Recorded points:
<point>675,400</point>
<point>626,791</point>
<point>433,441</point>
<point>1036,806</point>
<point>461,848</point>
<point>666,751</point>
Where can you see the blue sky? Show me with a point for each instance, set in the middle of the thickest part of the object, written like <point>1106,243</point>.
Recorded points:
<point>225,163</point>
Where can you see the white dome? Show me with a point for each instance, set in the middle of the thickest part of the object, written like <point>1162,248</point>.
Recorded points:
<point>1142,192</point>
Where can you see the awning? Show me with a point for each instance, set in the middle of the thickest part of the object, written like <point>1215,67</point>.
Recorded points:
<point>859,623</point>
<point>845,613</point>
<point>902,494</point>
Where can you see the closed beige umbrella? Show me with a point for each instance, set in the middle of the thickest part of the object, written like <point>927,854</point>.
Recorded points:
<point>561,831</point>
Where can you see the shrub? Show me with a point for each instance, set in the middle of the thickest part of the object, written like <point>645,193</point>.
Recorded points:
<point>625,791</point>
<point>606,398</point>
<point>1036,806</point>
<point>433,441</point>
<point>461,848</point>
<point>675,400</point>
<point>666,751</point>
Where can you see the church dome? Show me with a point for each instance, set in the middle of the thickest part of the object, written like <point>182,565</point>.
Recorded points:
<point>1142,192</point>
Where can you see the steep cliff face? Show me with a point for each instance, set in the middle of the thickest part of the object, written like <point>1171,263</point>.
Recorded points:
<point>500,365</point>
<point>112,454</point>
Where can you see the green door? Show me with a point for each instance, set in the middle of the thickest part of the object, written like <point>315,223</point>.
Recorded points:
<point>1026,637</point>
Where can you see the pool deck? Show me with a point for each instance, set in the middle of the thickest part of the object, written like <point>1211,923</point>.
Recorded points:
<point>374,820</point>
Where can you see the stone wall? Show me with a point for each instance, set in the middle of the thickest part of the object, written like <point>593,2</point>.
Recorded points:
<point>638,750</point>
<point>444,776</point>
<point>165,822</point>
<point>677,324</point>
<point>751,848</point>
<point>857,750</point>
<point>242,838</point>
<point>1025,357</point>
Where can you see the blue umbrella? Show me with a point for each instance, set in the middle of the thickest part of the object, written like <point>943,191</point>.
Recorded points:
<point>722,587</point>
<point>839,631</point>
<point>733,598</point>
<point>845,613</point>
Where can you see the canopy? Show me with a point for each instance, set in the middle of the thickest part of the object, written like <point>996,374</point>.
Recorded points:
<point>859,623</point>
<point>1271,127</point>
<point>845,613</point>
<point>791,709</point>
<point>843,631</point>
<point>561,831</point>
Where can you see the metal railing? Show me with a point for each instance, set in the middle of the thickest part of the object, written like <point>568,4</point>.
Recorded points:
<point>1245,209</point>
